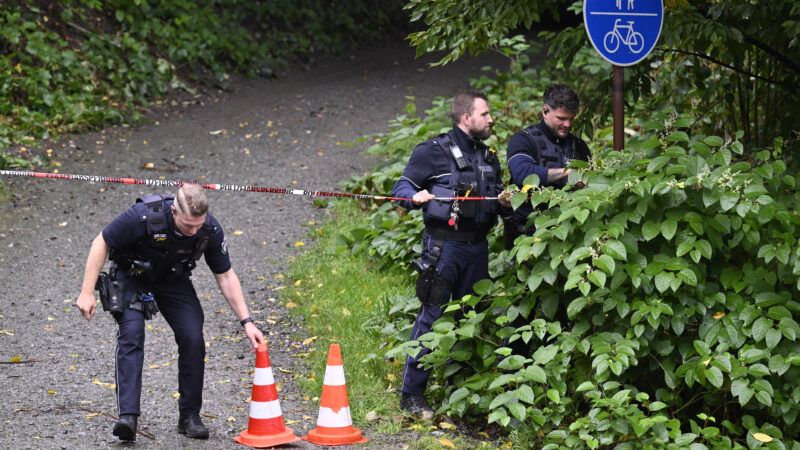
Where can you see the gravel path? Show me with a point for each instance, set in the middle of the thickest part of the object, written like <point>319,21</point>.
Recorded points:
<point>279,133</point>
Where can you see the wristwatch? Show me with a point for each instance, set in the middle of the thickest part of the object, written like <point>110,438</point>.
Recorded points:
<point>246,320</point>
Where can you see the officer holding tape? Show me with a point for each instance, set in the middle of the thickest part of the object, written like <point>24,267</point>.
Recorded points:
<point>153,247</point>
<point>455,251</point>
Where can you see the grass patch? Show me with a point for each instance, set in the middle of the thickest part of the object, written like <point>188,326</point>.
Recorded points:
<point>345,298</point>
<point>336,293</point>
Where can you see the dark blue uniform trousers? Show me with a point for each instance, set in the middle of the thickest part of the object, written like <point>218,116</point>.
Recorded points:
<point>461,263</point>
<point>181,308</point>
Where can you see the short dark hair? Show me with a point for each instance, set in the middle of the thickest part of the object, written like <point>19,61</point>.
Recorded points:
<point>463,104</point>
<point>561,96</point>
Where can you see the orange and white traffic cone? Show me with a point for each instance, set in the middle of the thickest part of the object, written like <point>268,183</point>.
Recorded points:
<point>334,425</point>
<point>265,427</point>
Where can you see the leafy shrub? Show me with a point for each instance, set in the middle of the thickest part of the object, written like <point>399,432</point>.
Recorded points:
<point>662,291</point>
<point>653,309</point>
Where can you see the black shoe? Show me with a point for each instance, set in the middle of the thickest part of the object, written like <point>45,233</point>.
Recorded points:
<point>416,405</point>
<point>125,427</point>
<point>192,427</point>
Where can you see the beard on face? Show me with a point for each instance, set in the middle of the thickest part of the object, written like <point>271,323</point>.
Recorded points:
<point>481,133</point>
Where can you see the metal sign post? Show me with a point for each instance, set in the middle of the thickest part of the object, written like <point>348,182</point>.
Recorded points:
<point>624,32</point>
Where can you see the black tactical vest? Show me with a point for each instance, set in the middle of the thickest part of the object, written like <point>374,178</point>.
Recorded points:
<point>161,253</point>
<point>479,177</point>
<point>550,154</point>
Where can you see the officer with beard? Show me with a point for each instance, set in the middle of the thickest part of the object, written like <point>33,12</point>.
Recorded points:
<point>455,252</point>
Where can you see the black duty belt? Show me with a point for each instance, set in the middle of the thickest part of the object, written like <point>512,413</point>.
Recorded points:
<point>453,235</point>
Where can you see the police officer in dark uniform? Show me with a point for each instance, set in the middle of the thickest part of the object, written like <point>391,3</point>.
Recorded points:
<point>154,246</point>
<point>544,149</point>
<point>455,251</point>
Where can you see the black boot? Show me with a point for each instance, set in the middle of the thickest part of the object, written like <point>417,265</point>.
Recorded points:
<point>416,405</point>
<point>192,426</point>
<point>125,427</point>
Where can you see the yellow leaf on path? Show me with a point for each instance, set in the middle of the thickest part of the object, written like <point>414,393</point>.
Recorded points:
<point>50,318</point>
<point>298,283</point>
<point>307,417</point>
<point>91,415</point>
<point>299,244</point>
<point>176,395</point>
<point>51,392</point>
<point>7,332</point>
<point>291,305</point>
<point>292,422</point>
<point>105,385</point>
<point>447,443</point>
<point>309,340</point>
<point>15,359</point>
<point>761,437</point>
<point>231,419</point>
<point>447,426</point>
<point>149,165</point>
<point>280,369</point>
<point>153,366</point>
<point>238,233</point>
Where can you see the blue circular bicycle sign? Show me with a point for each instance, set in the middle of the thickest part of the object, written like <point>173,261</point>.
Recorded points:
<point>624,32</point>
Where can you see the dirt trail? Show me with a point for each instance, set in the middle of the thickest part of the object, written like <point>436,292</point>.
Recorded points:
<point>279,133</point>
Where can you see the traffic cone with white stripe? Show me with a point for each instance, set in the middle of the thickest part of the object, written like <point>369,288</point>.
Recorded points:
<point>334,425</point>
<point>265,427</point>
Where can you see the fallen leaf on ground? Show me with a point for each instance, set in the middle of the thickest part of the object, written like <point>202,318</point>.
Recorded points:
<point>103,384</point>
<point>309,340</point>
<point>447,443</point>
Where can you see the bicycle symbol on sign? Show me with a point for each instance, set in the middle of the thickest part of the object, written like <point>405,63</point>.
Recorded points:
<point>633,39</point>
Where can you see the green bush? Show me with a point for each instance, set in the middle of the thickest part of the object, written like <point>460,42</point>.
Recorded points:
<point>653,309</point>
<point>662,291</point>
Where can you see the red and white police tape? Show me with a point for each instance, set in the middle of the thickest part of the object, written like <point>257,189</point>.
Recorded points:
<point>217,187</point>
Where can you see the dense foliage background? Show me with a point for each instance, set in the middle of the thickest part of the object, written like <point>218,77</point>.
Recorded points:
<point>657,307</point>
<point>73,65</point>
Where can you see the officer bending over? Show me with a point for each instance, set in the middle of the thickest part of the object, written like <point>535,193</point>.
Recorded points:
<point>544,149</point>
<point>153,247</point>
<point>455,252</point>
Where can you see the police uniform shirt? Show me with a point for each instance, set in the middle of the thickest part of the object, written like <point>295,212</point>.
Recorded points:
<point>430,165</point>
<point>523,155</point>
<point>129,228</point>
